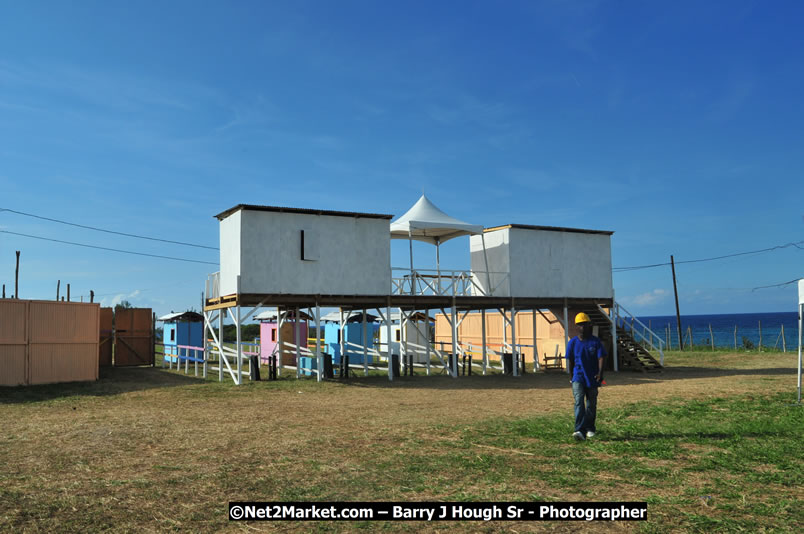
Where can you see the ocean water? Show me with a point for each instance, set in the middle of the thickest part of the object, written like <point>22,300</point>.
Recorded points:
<point>723,325</point>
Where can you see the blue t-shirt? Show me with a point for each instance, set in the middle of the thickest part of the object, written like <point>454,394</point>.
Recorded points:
<point>582,358</point>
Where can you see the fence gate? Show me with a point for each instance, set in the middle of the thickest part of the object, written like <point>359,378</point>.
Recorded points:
<point>106,337</point>
<point>133,337</point>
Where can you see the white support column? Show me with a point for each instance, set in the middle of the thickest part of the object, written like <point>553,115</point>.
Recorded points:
<point>280,322</point>
<point>800,314</point>
<point>296,335</point>
<point>412,279</point>
<point>239,342</point>
<point>613,316</point>
<point>341,343</point>
<point>566,333</point>
<point>388,332</point>
<point>483,340</point>
<point>318,357</point>
<point>403,327</point>
<point>535,348</point>
<point>454,366</point>
<point>514,353</point>
<point>365,344</point>
<point>427,337</point>
<point>504,315</point>
<point>203,342</point>
<point>220,345</point>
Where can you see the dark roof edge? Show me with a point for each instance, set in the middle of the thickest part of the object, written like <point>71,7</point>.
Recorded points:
<point>253,207</point>
<point>551,228</point>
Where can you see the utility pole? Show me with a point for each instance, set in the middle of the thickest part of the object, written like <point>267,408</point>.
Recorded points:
<point>678,314</point>
<point>17,278</point>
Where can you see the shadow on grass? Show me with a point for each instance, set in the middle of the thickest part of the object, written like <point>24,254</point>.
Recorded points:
<point>112,381</point>
<point>551,380</point>
<point>686,436</point>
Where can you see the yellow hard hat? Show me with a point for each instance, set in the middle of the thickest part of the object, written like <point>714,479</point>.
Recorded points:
<point>582,318</point>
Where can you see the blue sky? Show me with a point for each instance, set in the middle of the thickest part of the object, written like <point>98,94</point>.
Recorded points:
<point>677,125</point>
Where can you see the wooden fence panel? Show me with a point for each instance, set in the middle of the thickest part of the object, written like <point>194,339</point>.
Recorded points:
<point>134,337</point>
<point>106,340</point>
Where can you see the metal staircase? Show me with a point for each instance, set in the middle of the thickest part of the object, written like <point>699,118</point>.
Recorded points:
<point>636,343</point>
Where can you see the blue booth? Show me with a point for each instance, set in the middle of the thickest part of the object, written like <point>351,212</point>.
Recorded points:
<point>185,329</point>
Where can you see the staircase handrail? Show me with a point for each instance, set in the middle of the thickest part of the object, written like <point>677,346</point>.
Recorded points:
<point>634,332</point>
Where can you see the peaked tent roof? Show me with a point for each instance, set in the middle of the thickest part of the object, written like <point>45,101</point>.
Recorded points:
<point>425,222</point>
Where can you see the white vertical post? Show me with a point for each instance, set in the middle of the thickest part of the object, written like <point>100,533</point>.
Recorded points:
<point>239,345</point>
<point>535,348</point>
<point>412,280</point>
<point>566,334</point>
<point>800,313</point>
<point>388,332</point>
<point>298,350</point>
<point>504,330</point>
<point>220,345</point>
<point>365,344</point>
<point>438,264</point>
<point>403,327</point>
<point>514,353</point>
<point>454,365</point>
<point>483,340</point>
<point>342,343</point>
<point>613,314</point>
<point>280,322</point>
<point>318,357</point>
<point>427,337</point>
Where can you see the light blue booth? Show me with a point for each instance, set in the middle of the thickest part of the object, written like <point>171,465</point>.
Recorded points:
<point>183,330</point>
<point>352,332</point>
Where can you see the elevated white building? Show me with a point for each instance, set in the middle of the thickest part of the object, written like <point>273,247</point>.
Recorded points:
<point>290,258</point>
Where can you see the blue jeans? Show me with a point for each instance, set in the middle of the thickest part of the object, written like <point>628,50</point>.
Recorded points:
<point>584,415</point>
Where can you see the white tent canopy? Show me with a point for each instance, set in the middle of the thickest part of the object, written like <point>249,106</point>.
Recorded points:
<point>425,222</point>
<point>800,326</point>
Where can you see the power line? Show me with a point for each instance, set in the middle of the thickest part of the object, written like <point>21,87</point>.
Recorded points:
<point>777,247</point>
<point>108,231</point>
<point>107,248</point>
<point>783,284</point>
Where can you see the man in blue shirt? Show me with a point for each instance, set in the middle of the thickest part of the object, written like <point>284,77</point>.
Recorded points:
<point>585,357</point>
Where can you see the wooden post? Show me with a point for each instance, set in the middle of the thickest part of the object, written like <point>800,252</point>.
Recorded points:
<point>91,296</point>
<point>784,345</point>
<point>711,337</point>
<point>4,291</point>
<point>760,336</point>
<point>735,337</point>
<point>678,313</point>
<point>68,292</point>
<point>17,278</point>
<point>58,287</point>
<point>689,333</point>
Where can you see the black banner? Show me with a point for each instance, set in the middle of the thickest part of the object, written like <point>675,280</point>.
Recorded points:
<point>438,511</point>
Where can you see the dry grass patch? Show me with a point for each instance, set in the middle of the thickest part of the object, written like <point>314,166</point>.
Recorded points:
<point>153,450</point>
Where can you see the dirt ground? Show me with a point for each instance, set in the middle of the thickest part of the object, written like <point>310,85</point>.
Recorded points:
<point>155,441</point>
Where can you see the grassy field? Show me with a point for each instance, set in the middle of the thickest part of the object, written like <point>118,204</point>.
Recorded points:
<point>712,444</point>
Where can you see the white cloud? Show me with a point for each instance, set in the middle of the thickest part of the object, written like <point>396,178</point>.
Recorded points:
<point>650,298</point>
<point>117,299</point>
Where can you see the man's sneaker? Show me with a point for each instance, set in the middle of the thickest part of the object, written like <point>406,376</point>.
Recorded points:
<point>590,434</point>
<point>578,436</point>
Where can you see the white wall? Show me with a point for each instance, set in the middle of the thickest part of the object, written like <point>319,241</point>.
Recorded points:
<point>230,253</point>
<point>413,336</point>
<point>497,250</point>
<point>549,263</point>
<point>353,254</point>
